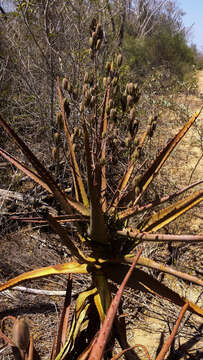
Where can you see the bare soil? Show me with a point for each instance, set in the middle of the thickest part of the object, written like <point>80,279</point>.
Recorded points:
<point>185,167</point>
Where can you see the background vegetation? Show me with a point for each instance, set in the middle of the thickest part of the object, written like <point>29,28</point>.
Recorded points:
<point>41,40</point>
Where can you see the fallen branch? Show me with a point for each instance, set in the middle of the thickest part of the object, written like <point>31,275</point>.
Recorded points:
<point>38,291</point>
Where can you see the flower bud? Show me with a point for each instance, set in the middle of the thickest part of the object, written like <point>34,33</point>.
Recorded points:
<point>65,84</point>
<point>92,101</point>
<point>69,88</point>
<point>54,152</point>
<point>113,114</point>
<point>91,42</point>
<point>98,44</point>
<point>59,120</point>
<point>119,60</point>
<point>75,94</point>
<point>56,137</point>
<point>66,107</point>
<point>81,107</point>
<point>91,54</point>
<point>129,100</point>
<point>137,180</point>
<point>86,77</point>
<point>130,88</point>
<point>115,81</point>
<point>132,114</point>
<point>108,67</point>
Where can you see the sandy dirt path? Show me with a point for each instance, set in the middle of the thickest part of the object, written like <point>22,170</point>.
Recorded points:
<point>192,143</point>
<point>184,167</point>
<point>187,160</point>
<point>200,80</point>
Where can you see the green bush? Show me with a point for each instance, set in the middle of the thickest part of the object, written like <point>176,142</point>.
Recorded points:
<point>162,48</point>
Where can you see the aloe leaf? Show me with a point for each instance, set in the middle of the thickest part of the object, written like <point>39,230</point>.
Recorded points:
<point>65,239</point>
<point>153,170</point>
<point>137,209</point>
<point>53,349</point>
<point>65,268</point>
<point>121,187</point>
<point>102,298</point>
<point>79,186</point>
<point>98,229</point>
<point>123,184</point>
<point>30,355</point>
<point>68,347</point>
<point>63,321</point>
<point>163,156</point>
<point>42,172</point>
<point>166,198</point>
<point>81,308</point>
<point>172,212</point>
<point>125,179</point>
<point>118,356</point>
<point>163,268</point>
<point>168,343</point>
<point>88,158</point>
<point>25,169</point>
<point>90,176</point>
<point>88,349</point>
<point>82,298</point>
<point>147,283</point>
<point>79,207</point>
<point>99,346</point>
<point>81,302</point>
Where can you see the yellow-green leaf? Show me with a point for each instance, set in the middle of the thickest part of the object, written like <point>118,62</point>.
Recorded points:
<point>172,212</point>
<point>81,307</point>
<point>102,298</point>
<point>65,268</point>
<point>77,325</point>
<point>79,207</point>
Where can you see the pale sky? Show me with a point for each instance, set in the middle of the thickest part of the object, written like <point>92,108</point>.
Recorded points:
<point>193,10</point>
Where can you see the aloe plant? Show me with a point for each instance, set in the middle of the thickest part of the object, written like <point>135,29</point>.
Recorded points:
<point>104,200</point>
